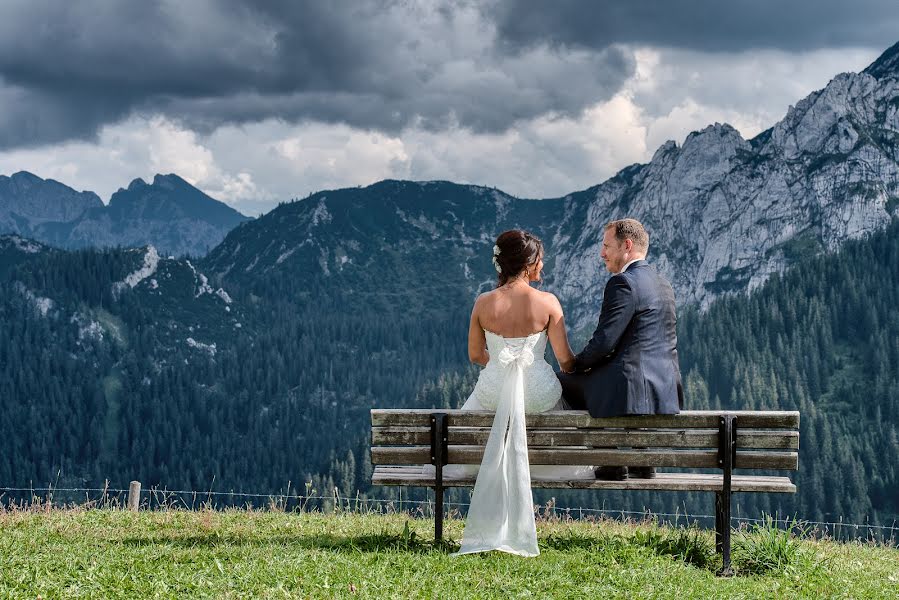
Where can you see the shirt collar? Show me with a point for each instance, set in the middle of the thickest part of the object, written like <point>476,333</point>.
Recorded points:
<point>627,264</point>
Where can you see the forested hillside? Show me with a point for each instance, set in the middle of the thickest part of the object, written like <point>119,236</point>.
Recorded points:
<point>179,385</point>
<point>822,339</point>
<point>176,385</point>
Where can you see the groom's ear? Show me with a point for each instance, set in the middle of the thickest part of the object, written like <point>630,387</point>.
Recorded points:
<point>628,244</point>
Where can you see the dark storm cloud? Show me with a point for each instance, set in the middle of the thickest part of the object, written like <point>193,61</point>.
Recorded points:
<point>68,68</point>
<point>709,25</point>
<point>29,115</point>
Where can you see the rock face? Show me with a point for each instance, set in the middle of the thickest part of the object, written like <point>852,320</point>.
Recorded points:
<point>723,213</point>
<point>887,65</point>
<point>169,213</point>
<point>28,199</point>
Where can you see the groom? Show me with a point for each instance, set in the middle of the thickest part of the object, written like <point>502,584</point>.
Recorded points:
<point>629,366</point>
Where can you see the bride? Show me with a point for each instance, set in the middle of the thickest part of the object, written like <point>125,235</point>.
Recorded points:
<point>507,335</point>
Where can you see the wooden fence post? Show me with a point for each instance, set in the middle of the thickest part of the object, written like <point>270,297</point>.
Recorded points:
<point>134,496</point>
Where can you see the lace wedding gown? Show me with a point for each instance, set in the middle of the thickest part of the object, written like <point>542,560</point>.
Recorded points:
<point>516,381</point>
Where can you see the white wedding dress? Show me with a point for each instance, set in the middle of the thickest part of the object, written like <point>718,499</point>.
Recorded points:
<point>516,381</point>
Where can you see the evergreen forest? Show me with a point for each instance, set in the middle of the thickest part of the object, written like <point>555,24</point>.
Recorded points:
<point>98,385</point>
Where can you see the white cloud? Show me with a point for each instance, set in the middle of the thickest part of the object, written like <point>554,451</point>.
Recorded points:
<point>137,147</point>
<point>549,156</point>
<point>681,91</point>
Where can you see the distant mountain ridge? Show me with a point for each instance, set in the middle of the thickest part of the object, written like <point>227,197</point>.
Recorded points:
<point>724,213</point>
<point>169,196</point>
<point>168,213</point>
<point>398,245</point>
<point>25,197</point>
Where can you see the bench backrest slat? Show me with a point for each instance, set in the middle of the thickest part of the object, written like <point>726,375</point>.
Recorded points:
<point>577,418</point>
<point>471,455</point>
<point>666,438</point>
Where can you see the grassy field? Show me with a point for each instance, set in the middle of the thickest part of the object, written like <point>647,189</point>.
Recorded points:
<point>78,553</point>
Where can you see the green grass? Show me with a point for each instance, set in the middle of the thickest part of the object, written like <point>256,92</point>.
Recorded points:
<point>79,553</point>
<point>765,548</point>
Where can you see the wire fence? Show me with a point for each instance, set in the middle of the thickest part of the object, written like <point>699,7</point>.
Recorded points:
<point>162,498</point>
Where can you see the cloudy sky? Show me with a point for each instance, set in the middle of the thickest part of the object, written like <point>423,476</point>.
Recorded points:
<point>261,101</point>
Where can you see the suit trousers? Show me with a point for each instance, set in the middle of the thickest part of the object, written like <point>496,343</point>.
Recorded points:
<point>573,395</point>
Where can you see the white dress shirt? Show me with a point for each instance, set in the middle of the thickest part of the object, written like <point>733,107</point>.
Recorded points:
<point>627,264</point>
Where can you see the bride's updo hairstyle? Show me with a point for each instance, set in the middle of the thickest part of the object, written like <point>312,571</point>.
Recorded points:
<point>517,249</point>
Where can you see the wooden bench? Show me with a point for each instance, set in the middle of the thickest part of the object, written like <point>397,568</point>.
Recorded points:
<point>722,441</point>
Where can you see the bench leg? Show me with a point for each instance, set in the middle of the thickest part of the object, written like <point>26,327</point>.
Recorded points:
<point>438,459</point>
<point>722,532</point>
<point>438,513</point>
<point>719,536</point>
<point>726,450</point>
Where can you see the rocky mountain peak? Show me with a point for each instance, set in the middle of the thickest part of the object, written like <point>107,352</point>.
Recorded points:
<point>829,121</point>
<point>704,158</point>
<point>203,220</point>
<point>23,178</point>
<point>887,65</point>
<point>169,182</point>
<point>707,153</point>
<point>169,213</point>
<point>716,134</point>
<point>136,185</point>
<point>26,200</point>
<point>667,148</point>
<point>23,181</point>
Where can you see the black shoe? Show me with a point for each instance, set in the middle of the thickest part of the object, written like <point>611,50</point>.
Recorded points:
<point>642,472</point>
<point>611,473</point>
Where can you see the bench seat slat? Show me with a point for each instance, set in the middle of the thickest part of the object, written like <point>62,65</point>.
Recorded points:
<point>745,459</point>
<point>579,418</point>
<point>413,476</point>
<point>674,438</point>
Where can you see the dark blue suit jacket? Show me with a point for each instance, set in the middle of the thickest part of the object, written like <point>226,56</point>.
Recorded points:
<point>630,366</point>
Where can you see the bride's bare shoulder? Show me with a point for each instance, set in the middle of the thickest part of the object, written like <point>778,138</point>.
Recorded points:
<point>549,300</point>
<point>485,296</point>
<point>484,299</point>
<point>547,297</point>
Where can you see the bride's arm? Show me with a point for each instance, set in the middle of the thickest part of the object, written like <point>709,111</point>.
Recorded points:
<point>558,335</point>
<point>477,341</point>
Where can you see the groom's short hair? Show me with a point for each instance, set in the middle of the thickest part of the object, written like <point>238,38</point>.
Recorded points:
<point>630,229</point>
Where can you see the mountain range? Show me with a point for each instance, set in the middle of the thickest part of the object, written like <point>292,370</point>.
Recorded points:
<point>169,213</point>
<point>724,213</point>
